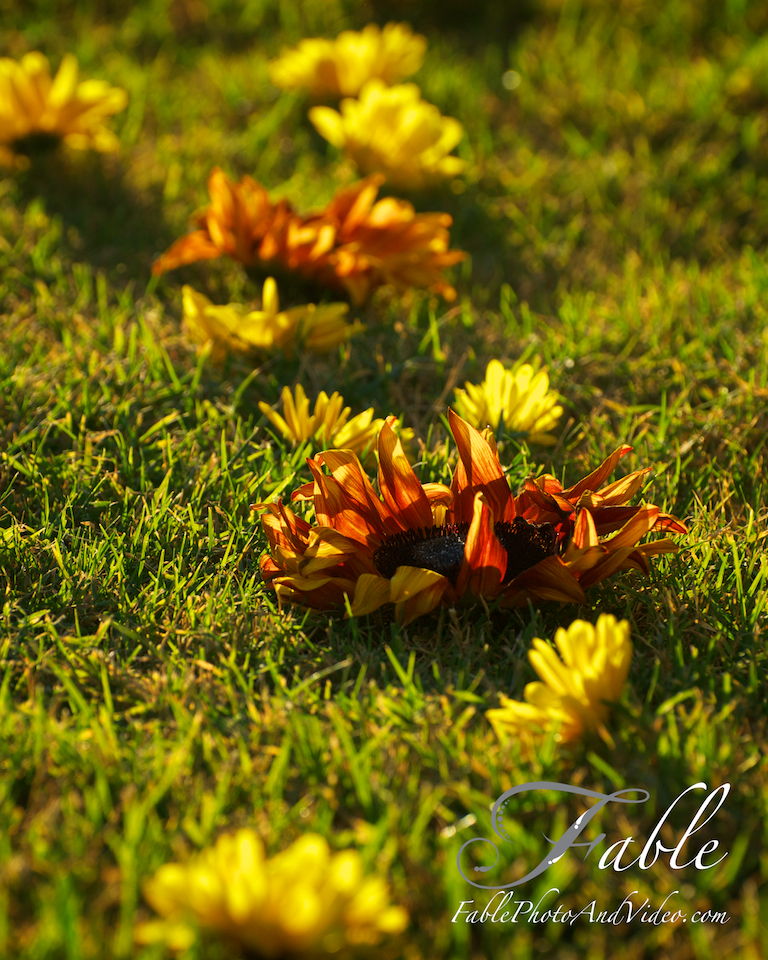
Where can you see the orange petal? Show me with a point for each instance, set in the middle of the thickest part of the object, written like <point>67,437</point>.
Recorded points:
<point>666,521</point>
<point>620,491</point>
<point>348,472</point>
<point>305,492</point>
<point>333,508</point>
<point>584,531</point>
<point>485,560</point>
<point>580,560</point>
<point>326,548</point>
<point>550,579</point>
<point>283,528</point>
<point>195,246</point>
<point>658,547</point>
<point>478,469</point>
<point>615,560</point>
<point>622,545</point>
<point>608,519</point>
<point>635,529</point>
<point>321,593</point>
<point>402,492</point>
<point>593,481</point>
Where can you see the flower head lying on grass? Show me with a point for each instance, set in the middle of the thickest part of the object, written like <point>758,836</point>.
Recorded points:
<point>576,690</point>
<point>340,67</point>
<point>519,399</point>
<point>384,242</point>
<point>328,424</point>
<point>235,329</point>
<point>391,130</point>
<point>240,221</point>
<point>304,900</point>
<point>33,104</point>
<point>421,545</point>
<point>355,242</point>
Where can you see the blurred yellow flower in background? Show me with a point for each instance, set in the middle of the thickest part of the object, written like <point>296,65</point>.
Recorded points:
<point>302,900</point>
<point>391,130</point>
<point>328,423</point>
<point>518,398</point>
<point>235,329</point>
<point>31,103</point>
<point>575,691</point>
<point>340,67</point>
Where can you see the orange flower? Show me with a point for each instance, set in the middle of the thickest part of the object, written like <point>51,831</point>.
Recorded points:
<point>421,545</point>
<point>354,243</point>
<point>240,221</point>
<point>385,243</point>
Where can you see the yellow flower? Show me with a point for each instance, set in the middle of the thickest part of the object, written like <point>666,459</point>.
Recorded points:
<point>519,398</point>
<point>340,67</point>
<point>575,690</point>
<point>328,423</point>
<point>31,103</point>
<point>304,899</point>
<point>391,130</point>
<point>233,328</point>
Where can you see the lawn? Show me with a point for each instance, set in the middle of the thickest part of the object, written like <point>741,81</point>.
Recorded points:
<point>154,693</point>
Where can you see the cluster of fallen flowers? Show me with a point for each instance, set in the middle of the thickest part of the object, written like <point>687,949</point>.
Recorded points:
<point>355,243</point>
<point>402,546</point>
<point>389,129</point>
<point>418,546</point>
<point>413,547</point>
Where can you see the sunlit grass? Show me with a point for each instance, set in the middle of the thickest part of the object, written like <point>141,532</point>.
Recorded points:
<point>151,694</point>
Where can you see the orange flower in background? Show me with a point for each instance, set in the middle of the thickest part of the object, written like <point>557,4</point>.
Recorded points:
<point>384,242</point>
<point>240,221</point>
<point>421,545</point>
<point>354,243</point>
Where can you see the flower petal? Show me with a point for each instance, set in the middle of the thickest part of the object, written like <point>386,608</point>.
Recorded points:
<point>550,579</point>
<point>400,488</point>
<point>416,591</point>
<point>594,479</point>
<point>371,592</point>
<point>485,560</point>
<point>478,470</point>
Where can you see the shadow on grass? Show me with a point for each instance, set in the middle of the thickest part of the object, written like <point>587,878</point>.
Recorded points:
<point>106,223</point>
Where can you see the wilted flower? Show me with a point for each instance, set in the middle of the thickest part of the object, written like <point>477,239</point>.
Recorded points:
<point>235,329</point>
<point>419,545</point>
<point>518,398</point>
<point>340,67</point>
<point>391,130</point>
<point>33,104</point>
<point>353,243</point>
<point>576,690</point>
<point>304,900</point>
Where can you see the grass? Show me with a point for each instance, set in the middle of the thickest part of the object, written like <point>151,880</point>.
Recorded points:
<point>152,694</point>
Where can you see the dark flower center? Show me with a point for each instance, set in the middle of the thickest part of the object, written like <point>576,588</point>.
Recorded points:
<point>433,548</point>
<point>441,549</point>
